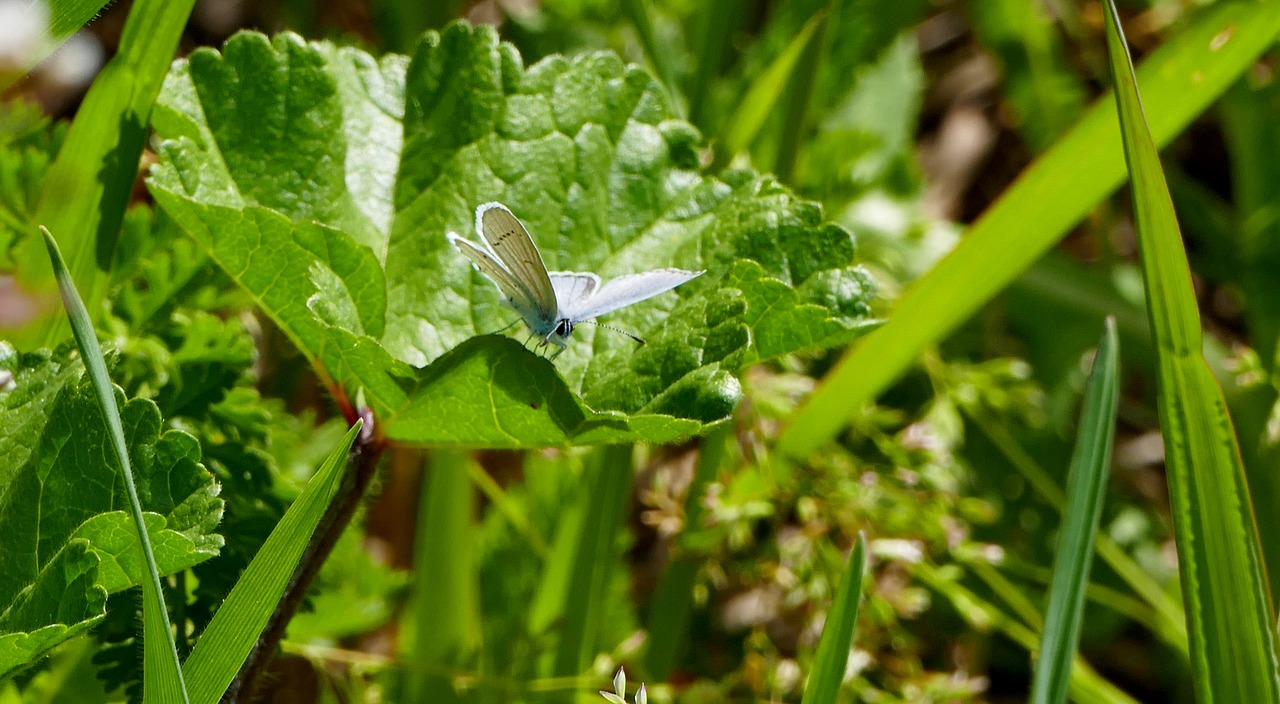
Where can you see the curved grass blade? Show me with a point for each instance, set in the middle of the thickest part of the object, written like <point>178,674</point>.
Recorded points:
<point>162,673</point>
<point>576,582</point>
<point>235,629</point>
<point>1230,617</point>
<point>637,12</point>
<point>1180,80</point>
<point>1086,490</point>
<point>832,658</point>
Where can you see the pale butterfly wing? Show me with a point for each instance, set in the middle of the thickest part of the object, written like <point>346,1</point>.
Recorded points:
<point>624,291</point>
<point>512,245</point>
<point>572,287</point>
<point>497,273</point>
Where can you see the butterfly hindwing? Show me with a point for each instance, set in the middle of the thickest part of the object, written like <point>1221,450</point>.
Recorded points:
<point>571,287</point>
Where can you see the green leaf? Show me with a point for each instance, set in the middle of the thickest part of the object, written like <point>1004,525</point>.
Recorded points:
<point>832,658</point>
<point>323,182</point>
<point>236,627</point>
<point>1086,490</point>
<point>84,197</point>
<point>69,538</point>
<point>1229,613</point>
<point>1179,81</point>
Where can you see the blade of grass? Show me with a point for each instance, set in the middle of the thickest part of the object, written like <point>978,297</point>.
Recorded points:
<point>446,603</point>
<point>672,603</point>
<point>1229,613</point>
<point>765,93</point>
<point>1180,80</point>
<point>832,658</point>
<point>162,673</point>
<point>90,182</point>
<point>608,476</point>
<point>240,620</point>
<point>1086,490</point>
<point>799,94</point>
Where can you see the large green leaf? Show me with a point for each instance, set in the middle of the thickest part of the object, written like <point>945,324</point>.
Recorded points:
<point>1179,81</point>
<point>324,181</point>
<point>69,539</point>
<point>1230,617</point>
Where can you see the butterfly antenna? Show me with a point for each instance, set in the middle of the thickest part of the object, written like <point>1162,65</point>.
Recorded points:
<point>610,327</point>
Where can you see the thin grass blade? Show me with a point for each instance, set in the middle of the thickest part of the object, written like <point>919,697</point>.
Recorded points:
<point>832,658</point>
<point>1179,81</point>
<point>1230,617</point>
<point>235,629</point>
<point>609,476</point>
<point>1086,490</point>
<point>637,12</point>
<point>446,600</point>
<point>162,672</point>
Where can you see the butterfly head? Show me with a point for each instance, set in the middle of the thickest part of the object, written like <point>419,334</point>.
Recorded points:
<point>564,328</point>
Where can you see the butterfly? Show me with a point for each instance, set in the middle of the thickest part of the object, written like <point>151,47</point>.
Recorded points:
<point>552,303</point>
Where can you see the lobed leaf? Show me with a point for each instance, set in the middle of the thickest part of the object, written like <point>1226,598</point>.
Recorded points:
<point>69,539</point>
<point>324,181</point>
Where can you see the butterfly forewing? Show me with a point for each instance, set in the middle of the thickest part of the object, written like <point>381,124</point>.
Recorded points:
<point>624,291</point>
<point>514,247</point>
<point>492,268</point>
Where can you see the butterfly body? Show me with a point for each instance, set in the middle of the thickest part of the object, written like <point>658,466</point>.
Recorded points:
<point>551,303</point>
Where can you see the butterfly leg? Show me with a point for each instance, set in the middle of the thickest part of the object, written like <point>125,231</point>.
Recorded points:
<point>560,344</point>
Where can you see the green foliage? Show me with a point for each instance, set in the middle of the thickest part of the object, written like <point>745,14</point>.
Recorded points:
<point>88,186</point>
<point>346,252</point>
<point>66,507</point>
<point>296,269</point>
<point>1083,167</point>
<point>28,144</point>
